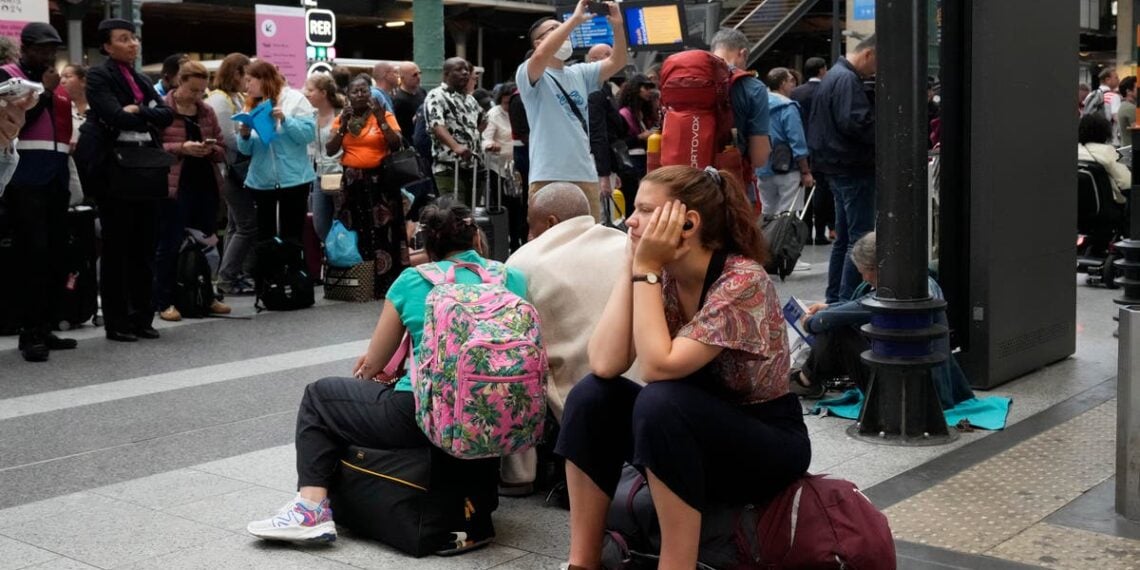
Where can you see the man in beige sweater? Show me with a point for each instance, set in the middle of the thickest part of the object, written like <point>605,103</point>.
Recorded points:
<point>570,265</point>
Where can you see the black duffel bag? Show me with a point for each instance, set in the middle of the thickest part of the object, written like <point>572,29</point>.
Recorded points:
<point>387,495</point>
<point>140,172</point>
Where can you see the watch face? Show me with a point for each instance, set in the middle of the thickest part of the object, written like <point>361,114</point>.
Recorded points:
<point>652,278</point>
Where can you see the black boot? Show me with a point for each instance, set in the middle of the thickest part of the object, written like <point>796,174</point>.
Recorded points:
<point>34,347</point>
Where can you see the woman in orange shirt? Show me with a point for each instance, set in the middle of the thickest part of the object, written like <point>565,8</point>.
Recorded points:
<point>367,133</point>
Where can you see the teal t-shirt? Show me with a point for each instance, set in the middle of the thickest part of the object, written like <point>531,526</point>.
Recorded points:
<point>410,290</point>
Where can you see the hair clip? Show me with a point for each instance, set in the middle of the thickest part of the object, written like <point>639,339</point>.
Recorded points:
<point>714,174</point>
<point>469,221</point>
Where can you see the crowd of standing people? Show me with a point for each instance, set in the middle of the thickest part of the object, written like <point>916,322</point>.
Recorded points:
<point>686,342</point>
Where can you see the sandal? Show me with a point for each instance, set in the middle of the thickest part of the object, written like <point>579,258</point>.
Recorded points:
<point>812,391</point>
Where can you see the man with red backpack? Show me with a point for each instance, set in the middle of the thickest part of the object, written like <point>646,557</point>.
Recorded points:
<point>706,96</point>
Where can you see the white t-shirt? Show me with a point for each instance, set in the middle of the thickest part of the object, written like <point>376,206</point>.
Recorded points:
<point>559,147</point>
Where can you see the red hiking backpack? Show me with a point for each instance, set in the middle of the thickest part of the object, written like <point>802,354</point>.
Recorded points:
<point>697,128</point>
<point>820,522</point>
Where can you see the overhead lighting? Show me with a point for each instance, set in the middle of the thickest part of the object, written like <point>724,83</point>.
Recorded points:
<point>395,24</point>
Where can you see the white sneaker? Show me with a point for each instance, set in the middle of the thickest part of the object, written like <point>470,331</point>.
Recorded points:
<point>297,523</point>
<point>802,266</point>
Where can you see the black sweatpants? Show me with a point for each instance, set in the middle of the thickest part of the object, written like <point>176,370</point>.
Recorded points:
<point>338,412</point>
<point>39,216</point>
<point>838,353</point>
<point>705,449</point>
<point>821,210</point>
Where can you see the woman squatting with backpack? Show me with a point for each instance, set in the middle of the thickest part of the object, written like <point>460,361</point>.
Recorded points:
<point>715,422</point>
<point>382,414</point>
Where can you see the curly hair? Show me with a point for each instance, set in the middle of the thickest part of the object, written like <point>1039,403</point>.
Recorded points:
<point>448,226</point>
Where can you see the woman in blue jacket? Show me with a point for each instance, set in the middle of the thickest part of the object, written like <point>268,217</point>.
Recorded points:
<point>787,169</point>
<point>280,173</point>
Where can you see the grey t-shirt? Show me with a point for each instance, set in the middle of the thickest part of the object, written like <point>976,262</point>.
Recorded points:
<point>559,146</point>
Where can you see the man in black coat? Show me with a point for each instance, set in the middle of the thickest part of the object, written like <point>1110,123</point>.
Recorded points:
<point>841,137</point>
<point>821,210</point>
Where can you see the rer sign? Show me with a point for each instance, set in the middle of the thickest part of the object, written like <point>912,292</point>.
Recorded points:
<point>320,27</point>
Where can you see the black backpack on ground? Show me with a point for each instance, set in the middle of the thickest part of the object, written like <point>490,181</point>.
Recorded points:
<point>281,282</point>
<point>193,285</point>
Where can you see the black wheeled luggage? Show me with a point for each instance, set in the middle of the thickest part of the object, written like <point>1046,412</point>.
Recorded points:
<point>79,301</point>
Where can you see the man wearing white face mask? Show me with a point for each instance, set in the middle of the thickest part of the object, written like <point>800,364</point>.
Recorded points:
<point>555,97</point>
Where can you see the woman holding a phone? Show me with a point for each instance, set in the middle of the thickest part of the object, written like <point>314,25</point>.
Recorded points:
<point>195,180</point>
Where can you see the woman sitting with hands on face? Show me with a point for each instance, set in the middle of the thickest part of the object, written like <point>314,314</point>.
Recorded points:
<point>715,422</point>
<point>367,133</point>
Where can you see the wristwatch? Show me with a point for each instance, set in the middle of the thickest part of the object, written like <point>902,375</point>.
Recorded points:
<point>385,127</point>
<point>650,278</point>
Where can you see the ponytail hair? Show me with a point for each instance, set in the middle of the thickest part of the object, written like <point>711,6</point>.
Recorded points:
<point>727,219</point>
<point>448,227</point>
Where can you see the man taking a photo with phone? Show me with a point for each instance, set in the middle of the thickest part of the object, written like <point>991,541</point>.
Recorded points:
<point>555,96</point>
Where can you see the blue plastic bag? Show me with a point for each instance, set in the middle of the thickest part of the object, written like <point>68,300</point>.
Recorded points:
<point>340,247</point>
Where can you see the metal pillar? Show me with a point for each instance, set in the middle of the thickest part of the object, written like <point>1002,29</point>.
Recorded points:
<point>1128,268</point>
<point>1128,415</point>
<point>902,406</point>
<point>428,40</point>
<point>75,40</point>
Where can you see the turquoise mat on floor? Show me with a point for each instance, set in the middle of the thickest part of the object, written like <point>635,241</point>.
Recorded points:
<point>983,413</point>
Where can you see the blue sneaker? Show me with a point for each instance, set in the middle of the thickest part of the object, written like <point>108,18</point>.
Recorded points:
<point>297,523</point>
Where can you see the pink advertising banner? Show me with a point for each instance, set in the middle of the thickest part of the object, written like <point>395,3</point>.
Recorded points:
<point>281,40</point>
<point>15,14</point>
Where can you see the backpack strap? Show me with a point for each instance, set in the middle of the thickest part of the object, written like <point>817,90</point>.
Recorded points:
<point>484,275</point>
<point>393,369</point>
<point>432,274</point>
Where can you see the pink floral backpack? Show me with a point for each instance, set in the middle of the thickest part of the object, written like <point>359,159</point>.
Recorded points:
<point>480,385</point>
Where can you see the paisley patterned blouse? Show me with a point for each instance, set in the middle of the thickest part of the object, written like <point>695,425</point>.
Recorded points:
<point>741,314</point>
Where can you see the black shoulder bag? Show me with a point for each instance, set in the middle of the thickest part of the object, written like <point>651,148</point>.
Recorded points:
<point>618,149</point>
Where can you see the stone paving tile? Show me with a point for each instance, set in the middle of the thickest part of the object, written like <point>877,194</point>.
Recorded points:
<point>57,507</point>
<point>997,499</point>
<point>61,563</point>
<point>527,524</point>
<point>237,552</point>
<point>233,511</point>
<point>15,554</point>
<point>113,534</point>
<point>274,467</point>
<point>171,489</point>
<point>370,554</point>
<point>532,562</point>
<point>1062,547</point>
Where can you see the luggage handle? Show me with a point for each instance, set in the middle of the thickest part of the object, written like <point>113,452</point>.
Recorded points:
<point>807,201</point>
<point>474,180</point>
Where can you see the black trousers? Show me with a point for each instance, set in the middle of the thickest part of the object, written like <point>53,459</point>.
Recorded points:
<point>821,210</point>
<point>287,224</point>
<point>705,449</point>
<point>40,231</point>
<point>838,353</point>
<point>126,275</point>
<point>338,412</point>
<point>518,206</point>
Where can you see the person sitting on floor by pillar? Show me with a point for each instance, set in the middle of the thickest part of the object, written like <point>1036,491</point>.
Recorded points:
<point>839,344</point>
<point>715,423</point>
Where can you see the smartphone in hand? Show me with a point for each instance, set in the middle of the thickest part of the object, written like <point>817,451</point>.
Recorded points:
<point>598,8</point>
<point>210,142</point>
<point>16,88</point>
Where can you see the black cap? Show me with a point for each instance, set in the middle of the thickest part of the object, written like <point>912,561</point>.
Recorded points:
<point>39,33</point>
<point>116,24</point>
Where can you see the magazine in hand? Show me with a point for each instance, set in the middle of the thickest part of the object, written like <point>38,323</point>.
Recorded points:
<point>794,310</point>
<point>260,119</point>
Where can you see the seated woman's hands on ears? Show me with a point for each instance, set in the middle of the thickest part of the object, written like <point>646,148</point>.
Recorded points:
<point>661,242</point>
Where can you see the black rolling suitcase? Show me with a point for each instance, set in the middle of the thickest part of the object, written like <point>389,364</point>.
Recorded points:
<point>80,298</point>
<point>386,495</point>
<point>491,218</point>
